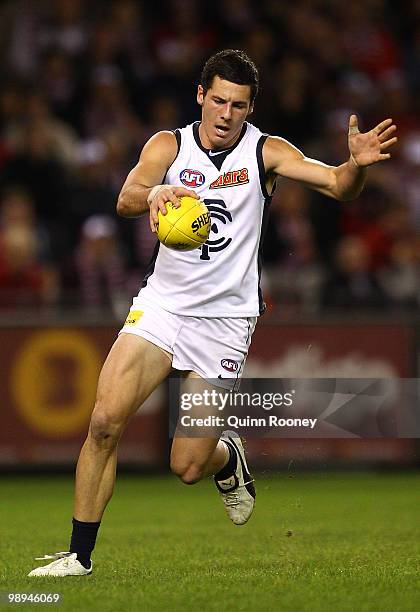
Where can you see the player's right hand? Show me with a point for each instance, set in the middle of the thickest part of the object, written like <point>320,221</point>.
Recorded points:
<point>161,194</point>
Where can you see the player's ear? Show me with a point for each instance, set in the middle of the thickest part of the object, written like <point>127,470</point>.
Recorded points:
<point>200,95</point>
<point>251,108</point>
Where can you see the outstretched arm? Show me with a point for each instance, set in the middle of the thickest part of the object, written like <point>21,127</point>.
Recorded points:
<point>344,182</point>
<point>142,190</point>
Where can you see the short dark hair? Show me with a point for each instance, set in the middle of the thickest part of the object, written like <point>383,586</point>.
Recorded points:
<point>232,65</point>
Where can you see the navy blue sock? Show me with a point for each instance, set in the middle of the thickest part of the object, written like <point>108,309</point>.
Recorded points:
<point>230,466</point>
<point>83,540</point>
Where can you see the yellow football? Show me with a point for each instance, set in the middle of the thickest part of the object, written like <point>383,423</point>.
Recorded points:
<point>184,228</point>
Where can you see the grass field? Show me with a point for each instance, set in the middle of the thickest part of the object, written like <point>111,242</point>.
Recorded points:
<point>330,542</point>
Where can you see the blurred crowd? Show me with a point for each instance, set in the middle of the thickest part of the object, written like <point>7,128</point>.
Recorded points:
<point>84,84</point>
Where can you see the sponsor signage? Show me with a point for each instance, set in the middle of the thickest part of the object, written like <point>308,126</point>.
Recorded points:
<point>48,389</point>
<point>49,378</point>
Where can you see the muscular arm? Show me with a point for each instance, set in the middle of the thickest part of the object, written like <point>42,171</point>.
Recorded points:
<point>343,182</point>
<point>156,157</point>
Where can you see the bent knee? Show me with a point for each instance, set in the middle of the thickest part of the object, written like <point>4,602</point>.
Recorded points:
<point>189,472</point>
<point>105,426</point>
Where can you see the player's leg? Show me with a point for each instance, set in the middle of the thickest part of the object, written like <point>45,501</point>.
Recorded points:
<point>132,370</point>
<point>193,457</point>
<point>219,454</point>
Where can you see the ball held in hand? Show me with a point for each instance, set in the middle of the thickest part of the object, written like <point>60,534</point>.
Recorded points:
<point>184,228</point>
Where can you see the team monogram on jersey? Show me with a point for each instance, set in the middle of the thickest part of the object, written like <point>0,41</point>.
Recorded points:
<point>230,179</point>
<point>192,178</point>
<point>218,213</point>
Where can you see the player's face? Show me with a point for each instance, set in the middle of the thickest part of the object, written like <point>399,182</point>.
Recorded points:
<point>225,107</point>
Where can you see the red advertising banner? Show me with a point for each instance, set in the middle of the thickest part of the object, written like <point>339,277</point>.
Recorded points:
<point>48,388</point>
<point>49,378</point>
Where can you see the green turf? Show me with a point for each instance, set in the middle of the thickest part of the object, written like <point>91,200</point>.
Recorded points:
<point>330,542</point>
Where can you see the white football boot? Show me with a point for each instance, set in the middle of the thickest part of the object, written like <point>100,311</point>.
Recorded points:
<point>64,564</point>
<point>237,491</point>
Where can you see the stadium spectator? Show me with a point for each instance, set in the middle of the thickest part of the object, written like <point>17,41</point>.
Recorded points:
<point>408,176</point>
<point>65,27</point>
<point>21,280</point>
<point>400,278</point>
<point>368,40</point>
<point>90,191</point>
<point>351,285</point>
<point>99,266</point>
<point>27,276</point>
<point>62,139</point>
<point>59,81</point>
<point>35,166</point>
<point>391,226</point>
<point>17,209</point>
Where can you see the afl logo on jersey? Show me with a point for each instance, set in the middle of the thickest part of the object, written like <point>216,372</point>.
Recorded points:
<point>192,178</point>
<point>229,365</point>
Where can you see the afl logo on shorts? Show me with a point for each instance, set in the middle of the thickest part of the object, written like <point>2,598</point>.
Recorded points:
<point>229,365</point>
<point>192,178</point>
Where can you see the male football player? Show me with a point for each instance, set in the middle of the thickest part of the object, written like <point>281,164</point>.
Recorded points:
<point>211,294</point>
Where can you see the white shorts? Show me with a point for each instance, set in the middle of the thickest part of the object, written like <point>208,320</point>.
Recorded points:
<point>216,349</point>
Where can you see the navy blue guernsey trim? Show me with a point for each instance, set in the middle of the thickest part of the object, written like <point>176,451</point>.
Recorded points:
<point>261,169</point>
<point>264,222</point>
<point>177,135</point>
<point>151,265</point>
<point>178,141</point>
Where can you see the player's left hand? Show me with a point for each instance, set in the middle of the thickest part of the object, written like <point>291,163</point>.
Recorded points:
<point>370,147</point>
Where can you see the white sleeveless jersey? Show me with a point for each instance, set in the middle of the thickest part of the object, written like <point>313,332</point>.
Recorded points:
<point>221,279</point>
